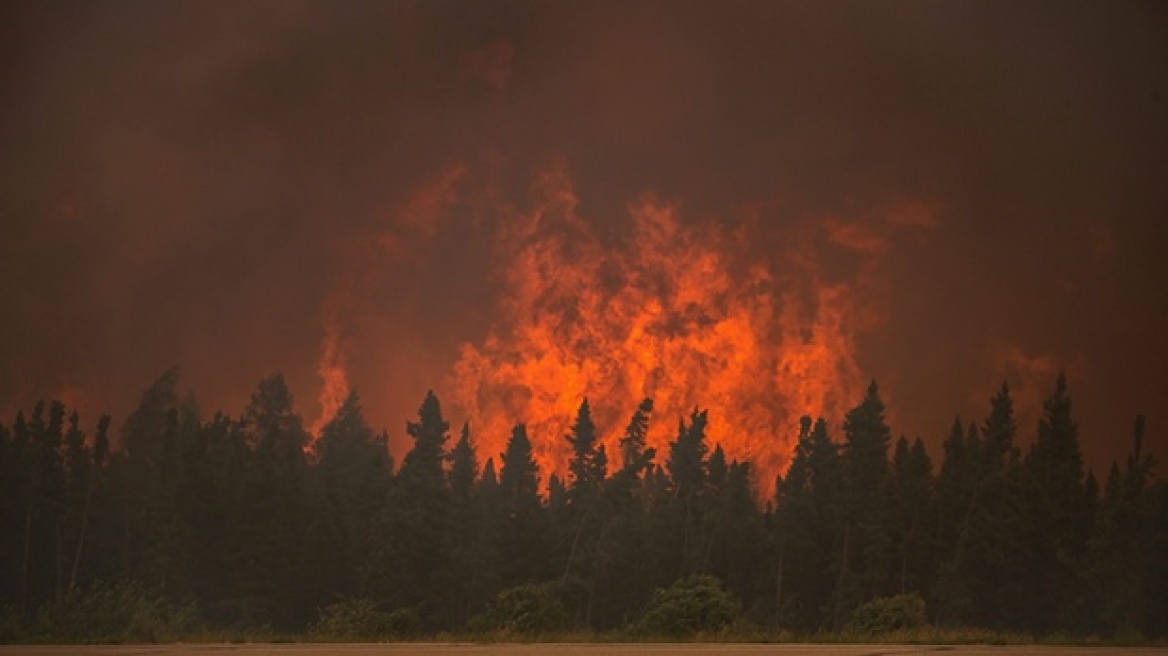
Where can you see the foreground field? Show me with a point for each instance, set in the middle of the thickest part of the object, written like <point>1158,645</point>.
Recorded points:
<point>429,649</point>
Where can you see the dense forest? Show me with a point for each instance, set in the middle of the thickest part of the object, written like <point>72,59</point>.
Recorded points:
<point>235,518</point>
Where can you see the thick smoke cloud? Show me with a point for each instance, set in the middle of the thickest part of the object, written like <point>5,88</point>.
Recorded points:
<point>219,184</point>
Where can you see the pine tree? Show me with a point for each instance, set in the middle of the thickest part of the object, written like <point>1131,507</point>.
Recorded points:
<point>85,469</point>
<point>1120,549</point>
<point>956,499</point>
<point>866,552</point>
<point>635,457</point>
<point>464,470</point>
<point>414,538</point>
<point>1000,428</point>
<point>685,513</point>
<point>589,464</point>
<point>525,532</point>
<point>270,510</point>
<point>738,545</point>
<point>1057,514</point>
<point>687,456</point>
<point>996,556</point>
<point>622,570</point>
<point>809,531</point>
<point>466,539</point>
<point>910,515</point>
<point>11,526</point>
<point>160,445</point>
<point>352,480</point>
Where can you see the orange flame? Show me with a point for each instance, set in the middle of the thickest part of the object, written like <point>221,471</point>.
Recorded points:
<point>678,313</point>
<point>395,235</point>
<point>334,380</point>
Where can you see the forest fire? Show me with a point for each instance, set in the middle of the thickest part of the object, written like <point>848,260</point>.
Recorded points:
<point>333,376</point>
<point>686,315</point>
<point>318,316</point>
<point>692,316</point>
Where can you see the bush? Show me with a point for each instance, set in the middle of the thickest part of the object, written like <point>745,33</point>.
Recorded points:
<point>696,604</point>
<point>111,613</point>
<point>403,623</point>
<point>363,619</point>
<point>887,614</point>
<point>530,609</point>
<point>11,625</point>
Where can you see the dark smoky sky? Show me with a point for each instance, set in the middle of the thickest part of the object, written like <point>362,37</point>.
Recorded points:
<point>207,183</point>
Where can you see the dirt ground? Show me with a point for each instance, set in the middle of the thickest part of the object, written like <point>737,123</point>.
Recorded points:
<point>429,649</point>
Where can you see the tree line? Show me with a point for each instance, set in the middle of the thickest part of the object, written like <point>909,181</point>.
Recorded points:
<point>234,515</point>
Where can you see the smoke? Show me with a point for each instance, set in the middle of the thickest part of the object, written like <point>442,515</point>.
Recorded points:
<point>344,193</point>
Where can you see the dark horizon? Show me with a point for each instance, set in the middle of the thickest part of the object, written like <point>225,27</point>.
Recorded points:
<point>229,526</point>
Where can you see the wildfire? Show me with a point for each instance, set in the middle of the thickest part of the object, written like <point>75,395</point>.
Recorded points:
<point>688,315</point>
<point>334,380</point>
<point>395,234</point>
<point>677,313</point>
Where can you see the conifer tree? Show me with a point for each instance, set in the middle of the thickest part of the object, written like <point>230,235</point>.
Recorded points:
<point>463,467</point>
<point>468,544</point>
<point>622,582</point>
<point>525,531</point>
<point>270,509</point>
<point>866,551</point>
<point>955,506</point>
<point>1057,516</point>
<point>1121,548</point>
<point>685,514</point>
<point>910,516</point>
<point>413,539</point>
<point>996,552</point>
<point>687,456</point>
<point>353,478</point>
<point>589,464</point>
<point>809,528</point>
<point>1000,428</point>
<point>635,457</point>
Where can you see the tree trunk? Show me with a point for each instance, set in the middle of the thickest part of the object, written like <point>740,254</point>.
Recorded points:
<point>81,538</point>
<point>27,553</point>
<point>779,589</point>
<point>839,584</point>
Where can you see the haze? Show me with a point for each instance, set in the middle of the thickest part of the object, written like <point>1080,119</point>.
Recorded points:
<point>236,188</point>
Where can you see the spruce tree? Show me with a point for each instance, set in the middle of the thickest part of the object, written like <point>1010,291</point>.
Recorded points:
<point>866,551</point>
<point>1057,514</point>
<point>463,467</point>
<point>687,456</point>
<point>809,531</point>
<point>523,549</point>
<point>910,516</point>
<point>467,542</point>
<point>635,457</point>
<point>270,509</point>
<point>412,553</point>
<point>589,464</point>
<point>352,479</point>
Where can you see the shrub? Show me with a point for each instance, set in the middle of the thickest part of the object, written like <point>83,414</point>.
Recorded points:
<point>118,612</point>
<point>363,619</point>
<point>696,604</point>
<point>11,625</point>
<point>532,608</point>
<point>403,623</point>
<point>887,614</point>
